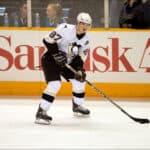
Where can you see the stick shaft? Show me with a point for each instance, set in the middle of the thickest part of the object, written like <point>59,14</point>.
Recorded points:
<point>107,98</point>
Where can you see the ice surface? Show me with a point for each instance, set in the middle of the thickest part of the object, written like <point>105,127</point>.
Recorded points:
<point>106,128</point>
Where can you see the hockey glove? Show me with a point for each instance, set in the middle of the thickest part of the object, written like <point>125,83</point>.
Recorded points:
<point>60,59</point>
<point>80,75</point>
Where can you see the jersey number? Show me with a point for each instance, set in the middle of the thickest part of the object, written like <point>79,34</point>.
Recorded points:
<point>54,35</point>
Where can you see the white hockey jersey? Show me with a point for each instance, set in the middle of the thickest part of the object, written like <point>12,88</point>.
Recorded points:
<point>66,38</point>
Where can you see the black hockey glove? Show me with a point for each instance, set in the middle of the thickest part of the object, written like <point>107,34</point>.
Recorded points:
<point>60,59</point>
<point>80,75</point>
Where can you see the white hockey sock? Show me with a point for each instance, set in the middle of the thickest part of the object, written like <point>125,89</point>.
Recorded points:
<point>49,94</point>
<point>78,89</point>
<point>45,105</point>
<point>77,100</point>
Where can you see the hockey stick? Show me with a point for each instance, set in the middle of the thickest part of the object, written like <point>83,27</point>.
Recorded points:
<point>139,120</point>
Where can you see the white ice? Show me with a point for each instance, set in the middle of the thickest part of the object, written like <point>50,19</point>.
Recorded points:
<point>106,128</point>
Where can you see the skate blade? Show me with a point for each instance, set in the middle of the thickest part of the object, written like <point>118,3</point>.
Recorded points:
<point>78,114</point>
<point>42,122</point>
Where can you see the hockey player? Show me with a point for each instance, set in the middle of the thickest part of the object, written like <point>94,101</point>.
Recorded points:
<point>66,44</point>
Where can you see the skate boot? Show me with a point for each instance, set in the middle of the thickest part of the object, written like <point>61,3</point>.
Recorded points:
<point>79,110</point>
<point>42,117</point>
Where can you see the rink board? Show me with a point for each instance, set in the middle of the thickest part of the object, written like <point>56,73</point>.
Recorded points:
<point>111,89</point>
<point>117,62</point>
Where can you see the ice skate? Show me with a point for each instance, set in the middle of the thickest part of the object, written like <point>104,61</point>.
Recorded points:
<point>42,117</point>
<point>80,110</point>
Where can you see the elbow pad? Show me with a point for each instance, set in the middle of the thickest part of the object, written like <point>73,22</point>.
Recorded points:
<point>51,47</point>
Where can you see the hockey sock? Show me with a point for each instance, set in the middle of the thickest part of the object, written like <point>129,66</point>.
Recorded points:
<point>78,98</point>
<point>49,94</point>
<point>46,101</point>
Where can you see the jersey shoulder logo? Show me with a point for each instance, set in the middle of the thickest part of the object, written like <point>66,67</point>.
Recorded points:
<point>86,42</point>
<point>85,52</point>
<point>65,26</point>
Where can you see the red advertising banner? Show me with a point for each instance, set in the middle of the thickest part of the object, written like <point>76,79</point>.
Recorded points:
<point>113,56</point>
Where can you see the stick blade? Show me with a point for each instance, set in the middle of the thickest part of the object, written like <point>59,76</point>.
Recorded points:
<point>141,120</point>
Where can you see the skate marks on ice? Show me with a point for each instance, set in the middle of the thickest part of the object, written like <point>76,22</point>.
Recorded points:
<point>106,127</point>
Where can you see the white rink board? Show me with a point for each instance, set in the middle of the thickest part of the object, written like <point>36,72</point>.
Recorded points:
<point>114,56</point>
<point>107,128</point>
